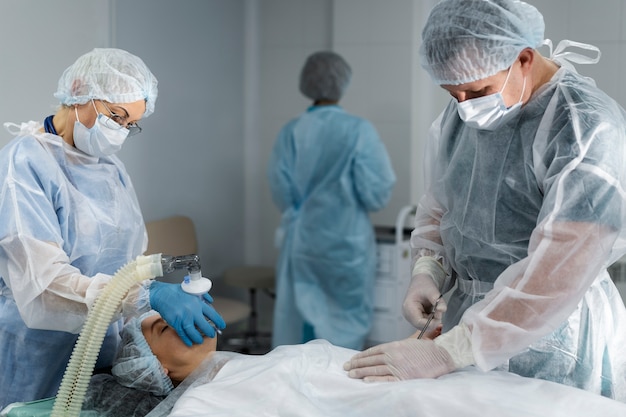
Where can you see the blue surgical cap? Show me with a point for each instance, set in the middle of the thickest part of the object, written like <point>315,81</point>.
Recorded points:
<point>469,40</point>
<point>108,74</point>
<point>135,366</point>
<point>325,76</point>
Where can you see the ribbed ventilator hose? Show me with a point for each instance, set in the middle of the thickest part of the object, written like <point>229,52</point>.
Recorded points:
<point>69,399</point>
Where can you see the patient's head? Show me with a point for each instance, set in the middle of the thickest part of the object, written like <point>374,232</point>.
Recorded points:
<point>153,358</point>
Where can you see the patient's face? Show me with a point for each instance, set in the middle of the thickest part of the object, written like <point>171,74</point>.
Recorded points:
<point>178,359</point>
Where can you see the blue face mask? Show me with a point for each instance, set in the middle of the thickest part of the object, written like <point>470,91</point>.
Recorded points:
<point>489,112</point>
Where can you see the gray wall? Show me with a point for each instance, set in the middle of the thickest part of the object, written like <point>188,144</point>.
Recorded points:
<point>35,50</point>
<point>227,73</point>
<point>189,159</point>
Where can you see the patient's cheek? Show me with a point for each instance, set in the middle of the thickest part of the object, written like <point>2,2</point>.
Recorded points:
<point>209,344</point>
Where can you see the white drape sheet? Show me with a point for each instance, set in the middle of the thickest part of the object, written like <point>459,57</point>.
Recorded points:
<point>308,380</point>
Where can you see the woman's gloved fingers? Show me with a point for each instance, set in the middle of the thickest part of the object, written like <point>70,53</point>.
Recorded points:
<point>204,327</point>
<point>212,314</point>
<point>186,313</point>
<point>189,335</point>
<point>207,297</point>
<point>201,327</point>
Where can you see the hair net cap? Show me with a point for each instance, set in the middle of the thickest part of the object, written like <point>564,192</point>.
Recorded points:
<point>108,74</point>
<point>135,366</point>
<point>325,76</point>
<point>469,40</point>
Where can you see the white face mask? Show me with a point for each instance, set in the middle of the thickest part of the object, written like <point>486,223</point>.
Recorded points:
<point>103,139</point>
<point>489,112</point>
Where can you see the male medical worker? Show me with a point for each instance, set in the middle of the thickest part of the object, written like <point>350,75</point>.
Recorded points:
<point>525,209</point>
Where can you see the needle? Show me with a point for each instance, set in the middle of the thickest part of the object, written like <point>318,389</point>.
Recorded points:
<point>430,318</point>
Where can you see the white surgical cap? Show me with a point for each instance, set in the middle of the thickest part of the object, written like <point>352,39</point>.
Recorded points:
<point>108,74</point>
<point>135,366</point>
<point>325,76</point>
<point>469,40</point>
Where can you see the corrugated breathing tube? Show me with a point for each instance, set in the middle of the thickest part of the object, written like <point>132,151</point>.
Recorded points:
<point>78,373</point>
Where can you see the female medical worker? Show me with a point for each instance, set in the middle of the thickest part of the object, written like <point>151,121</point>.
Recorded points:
<point>70,219</point>
<point>525,210</point>
<point>328,169</point>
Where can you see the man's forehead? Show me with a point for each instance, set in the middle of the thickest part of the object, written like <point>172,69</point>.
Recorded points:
<point>476,85</point>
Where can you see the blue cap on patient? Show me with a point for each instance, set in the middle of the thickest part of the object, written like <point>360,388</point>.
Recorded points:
<point>135,366</point>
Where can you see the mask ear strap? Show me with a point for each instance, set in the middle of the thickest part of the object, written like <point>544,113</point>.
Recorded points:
<point>76,112</point>
<point>506,80</point>
<point>523,90</point>
<point>94,106</point>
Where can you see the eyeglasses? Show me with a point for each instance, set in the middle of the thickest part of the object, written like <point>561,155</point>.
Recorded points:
<point>116,121</point>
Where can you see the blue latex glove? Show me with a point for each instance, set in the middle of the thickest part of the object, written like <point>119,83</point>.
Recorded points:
<point>186,313</point>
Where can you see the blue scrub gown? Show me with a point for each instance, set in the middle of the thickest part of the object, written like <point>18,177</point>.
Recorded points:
<point>328,169</point>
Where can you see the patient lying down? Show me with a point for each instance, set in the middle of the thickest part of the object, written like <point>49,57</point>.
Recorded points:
<point>152,360</point>
<point>309,380</point>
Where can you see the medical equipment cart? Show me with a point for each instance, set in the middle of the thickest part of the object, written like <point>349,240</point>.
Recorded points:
<point>392,281</point>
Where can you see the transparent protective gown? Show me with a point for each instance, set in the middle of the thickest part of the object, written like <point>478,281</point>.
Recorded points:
<point>69,222</point>
<point>328,169</point>
<point>526,219</point>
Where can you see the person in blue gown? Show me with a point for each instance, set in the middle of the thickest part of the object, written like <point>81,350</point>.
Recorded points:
<point>328,170</point>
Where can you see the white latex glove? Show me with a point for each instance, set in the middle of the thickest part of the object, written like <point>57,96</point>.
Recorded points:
<point>400,360</point>
<point>414,358</point>
<point>420,299</point>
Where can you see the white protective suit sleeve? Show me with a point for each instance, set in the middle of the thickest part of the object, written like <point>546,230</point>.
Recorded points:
<point>69,295</point>
<point>524,305</point>
<point>63,209</point>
